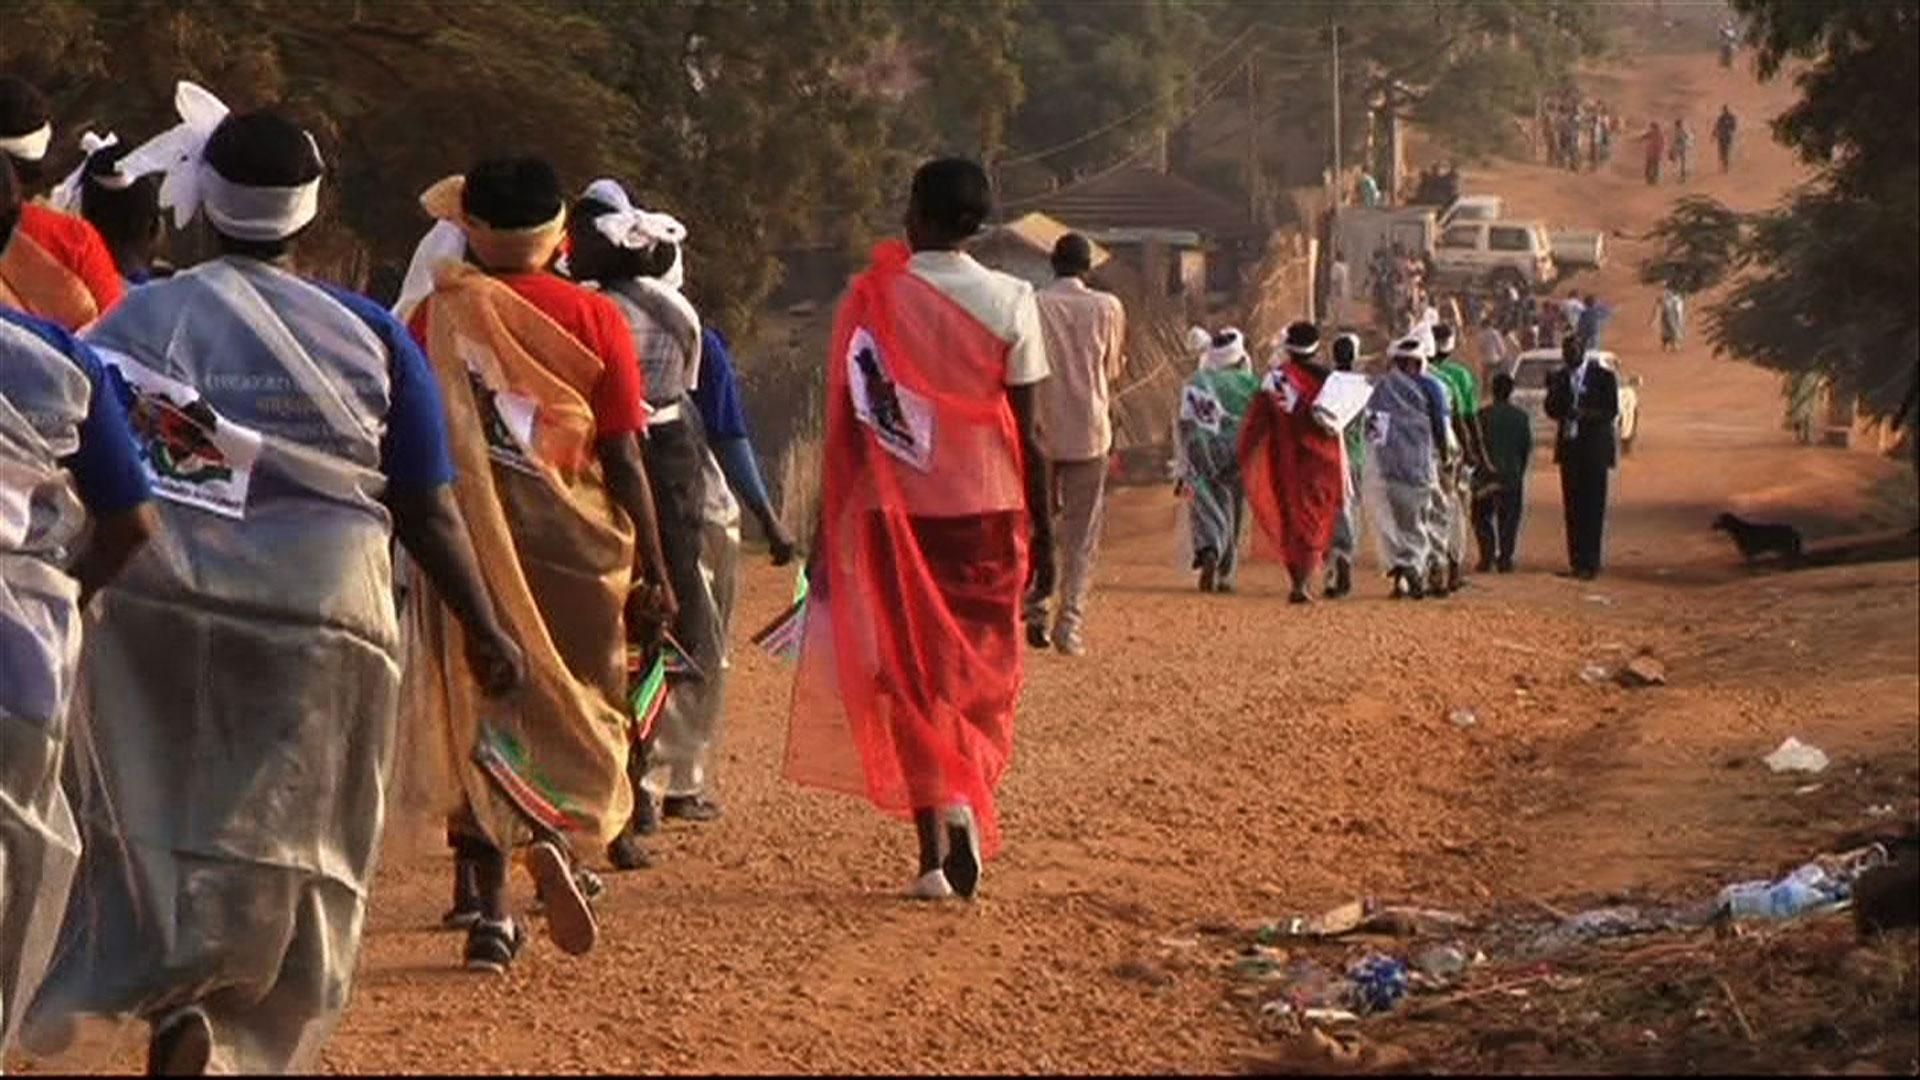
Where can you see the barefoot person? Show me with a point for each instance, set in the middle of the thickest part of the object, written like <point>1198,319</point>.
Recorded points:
<point>910,669</point>
<point>545,408</point>
<point>54,265</point>
<point>243,675</point>
<point>1295,475</point>
<point>1213,405</point>
<point>66,459</point>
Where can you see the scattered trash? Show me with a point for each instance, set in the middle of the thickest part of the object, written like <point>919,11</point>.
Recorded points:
<point>1463,718</point>
<point>1310,986</point>
<point>1595,674</point>
<point>1826,883</point>
<point>1376,983</point>
<point>1796,756</point>
<point>1612,922</point>
<point>1808,789</point>
<point>1416,922</point>
<point>1643,671</point>
<point>1329,1017</point>
<point>1442,963</point>
<point>1259,962</point>
<point>1882,810</point>
<point>1331,923</point>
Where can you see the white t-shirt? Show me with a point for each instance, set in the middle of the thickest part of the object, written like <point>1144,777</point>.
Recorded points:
<point>1001,302</point>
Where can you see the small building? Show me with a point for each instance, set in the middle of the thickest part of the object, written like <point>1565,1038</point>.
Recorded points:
<point>1183,238</point>
<point>1023,247</point>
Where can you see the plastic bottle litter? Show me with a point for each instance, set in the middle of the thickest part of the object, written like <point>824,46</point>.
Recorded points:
<point>1463,718</point>
<point>1825,882</point>
<point>1796,756</point>
<point>1595,674</point>
<point>1441,963</point>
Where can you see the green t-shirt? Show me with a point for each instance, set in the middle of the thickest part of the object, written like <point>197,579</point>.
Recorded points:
<point>1461,387</point>
<point>1509,435</point>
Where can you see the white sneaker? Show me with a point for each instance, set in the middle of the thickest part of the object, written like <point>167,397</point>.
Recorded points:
<point>962,866</point>
<point>931,885</point>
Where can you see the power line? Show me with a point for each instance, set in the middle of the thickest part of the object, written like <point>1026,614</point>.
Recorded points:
<point>1095,133</point>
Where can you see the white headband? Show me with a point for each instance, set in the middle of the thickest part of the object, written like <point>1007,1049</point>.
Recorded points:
<point>1231,354</point>
<point>29,147</point>
<point>66,196</point>
<point>629,226</point>
<point>242,211</point>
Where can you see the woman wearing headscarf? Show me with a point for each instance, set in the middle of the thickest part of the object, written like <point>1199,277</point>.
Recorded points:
<point>241,680</point>
<point>1406,436</point>
<point>546,407</point>
<point>1213,404</point>
<point>1291,457</point>
<point>633,256</point>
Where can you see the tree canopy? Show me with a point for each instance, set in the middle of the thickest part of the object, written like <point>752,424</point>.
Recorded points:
<point>773,124</point>
<point>1825,282</point>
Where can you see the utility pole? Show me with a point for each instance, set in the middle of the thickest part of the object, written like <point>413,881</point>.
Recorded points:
<point>1339,184</point>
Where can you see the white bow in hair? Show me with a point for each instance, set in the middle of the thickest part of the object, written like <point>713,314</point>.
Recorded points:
<point>176,151</point>
<point>629,226</point>
<point>66,196</point>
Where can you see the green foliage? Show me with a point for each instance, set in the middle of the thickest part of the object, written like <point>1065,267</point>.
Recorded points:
<point>1702,243</point>
<point>1825,283</point>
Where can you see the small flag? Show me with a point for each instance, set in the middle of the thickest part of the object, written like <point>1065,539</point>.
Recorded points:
<point>649,694</point>
<point>781,637</point>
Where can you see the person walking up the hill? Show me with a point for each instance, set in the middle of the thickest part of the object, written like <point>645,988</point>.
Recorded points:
<point>546,407</point>
<point>1500,494</point>
<point>1085,332</point>
<point>1682,149</point>
<point>1291,458</point>
<point>1654,143</point>
<point>933,516</point>
<point>1213,405</point>
<point>245,672</point>
<point>1725,126</point>
<point>54,265</point>
<point>1346,531</point>
<point>1405,424</point>
<point>1670,311</point>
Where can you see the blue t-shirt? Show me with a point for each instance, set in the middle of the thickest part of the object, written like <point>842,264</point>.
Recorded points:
<point>718,395</point>
<point>414,452</point>
<point>106,469</point>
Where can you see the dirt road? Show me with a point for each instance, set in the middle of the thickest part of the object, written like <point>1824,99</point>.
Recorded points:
<point>1226,758</point>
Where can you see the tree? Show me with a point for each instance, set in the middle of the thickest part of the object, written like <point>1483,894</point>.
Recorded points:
<point>1824,284</point>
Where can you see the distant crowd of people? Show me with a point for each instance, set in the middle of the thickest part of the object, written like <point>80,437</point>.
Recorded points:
<point>1581,135</point>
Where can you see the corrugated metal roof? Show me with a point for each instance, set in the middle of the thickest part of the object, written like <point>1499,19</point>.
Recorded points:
<point>1038,231</point>
<point>1137,198</point>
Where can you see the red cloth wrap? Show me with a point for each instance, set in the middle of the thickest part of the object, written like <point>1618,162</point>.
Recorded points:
<point>910,663</point>
<point>1294,473</point>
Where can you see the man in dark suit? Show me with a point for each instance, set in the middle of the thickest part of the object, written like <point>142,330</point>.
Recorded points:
<point>1584,398</point>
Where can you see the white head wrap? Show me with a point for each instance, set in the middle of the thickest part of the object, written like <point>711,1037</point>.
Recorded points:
<point>66,196</point>
<point>629,226</point>
<point>1410,347</point>
<point>242,211</point>
<point>1232,353</point>
<point>1199,339</point>
<point>29,147</point>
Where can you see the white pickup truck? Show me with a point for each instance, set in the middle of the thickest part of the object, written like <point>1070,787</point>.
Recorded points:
<point>1583,248</point>
<point>1471,243</point>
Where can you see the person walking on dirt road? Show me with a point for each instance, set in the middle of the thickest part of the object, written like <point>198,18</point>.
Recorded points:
<point>934,496</point>
<point>1654,142</point>
<point>1085,330</point>
<point>1682,149</point>
<point>1584,398</point>
<point>1725,126</point>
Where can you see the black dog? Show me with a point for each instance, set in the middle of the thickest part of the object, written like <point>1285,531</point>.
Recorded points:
<point>1755,540</point>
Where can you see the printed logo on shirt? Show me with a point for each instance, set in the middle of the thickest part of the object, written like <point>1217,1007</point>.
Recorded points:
<point>901,420</point>
<point>1378,424</point>
<point>1200,406</point>
<point>1280,385</point>
<point>506,418</point>
<point>193,455</point>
